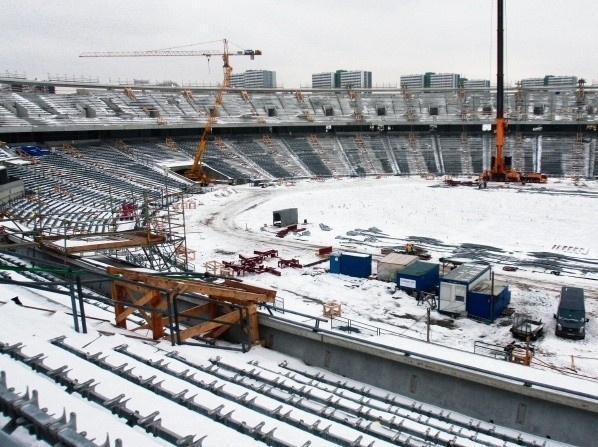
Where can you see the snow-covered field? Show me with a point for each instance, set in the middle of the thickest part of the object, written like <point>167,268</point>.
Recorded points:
<point>542,229</point>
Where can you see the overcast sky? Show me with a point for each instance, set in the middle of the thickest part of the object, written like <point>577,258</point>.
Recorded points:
<point>388,37</point>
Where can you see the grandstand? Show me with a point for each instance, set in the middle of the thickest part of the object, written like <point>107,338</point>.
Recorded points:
<point>368,132</point>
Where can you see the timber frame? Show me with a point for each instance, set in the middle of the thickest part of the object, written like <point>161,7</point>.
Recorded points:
<point>211,308</point>
<point>100,241</point>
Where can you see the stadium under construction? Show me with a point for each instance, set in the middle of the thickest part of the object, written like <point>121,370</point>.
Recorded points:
<point>99,168</point>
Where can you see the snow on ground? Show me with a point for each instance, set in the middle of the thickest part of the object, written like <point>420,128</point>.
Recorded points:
<point>503,225</point>
<point>232,220</point>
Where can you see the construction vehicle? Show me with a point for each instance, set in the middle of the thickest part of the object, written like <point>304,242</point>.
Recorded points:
<point>196,171</point>
<point>500,168</point>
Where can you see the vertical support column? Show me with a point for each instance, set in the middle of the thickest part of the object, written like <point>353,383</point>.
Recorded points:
<point>170,313</point>
<point>501,124</point>
<point>538,162</point>
<point>81,304</point>
<point>175,310</point>
<point>73,300</point>
<point>118,296</point>
<point>156,323</point>
<point>591,158</point>
<point>254,333</point>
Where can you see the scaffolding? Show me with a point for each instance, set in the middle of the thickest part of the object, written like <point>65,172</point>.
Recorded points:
<point>155,238</point>
<point>518,161</point>
<point>578,156</point>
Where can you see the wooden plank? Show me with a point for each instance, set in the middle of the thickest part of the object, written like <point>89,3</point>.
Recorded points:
<point>144,315</point>
<point>226,308</point>
<point>140,302</point>
<point>141,288</point>
<point>118,241</point>
<point>231,291</point>
<point>216,333</point>
<point>197,310</point>
<point>270,294</point>
<point>194,331</point>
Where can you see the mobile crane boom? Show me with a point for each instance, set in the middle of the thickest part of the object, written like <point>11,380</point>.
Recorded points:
<point>500,169</point>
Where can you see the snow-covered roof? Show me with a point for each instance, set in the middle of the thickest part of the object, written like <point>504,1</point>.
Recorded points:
<point>399,259</point>
<point>465,273</point>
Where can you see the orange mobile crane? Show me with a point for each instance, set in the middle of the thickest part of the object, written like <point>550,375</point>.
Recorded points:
<point>196,171</point>
<point>500,168</point>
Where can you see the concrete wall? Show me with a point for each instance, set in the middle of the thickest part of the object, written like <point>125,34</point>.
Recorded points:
<point>509,403</point>
<point>11,190</point>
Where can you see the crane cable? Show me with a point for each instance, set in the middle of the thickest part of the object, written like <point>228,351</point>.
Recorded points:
<point>190,45</point>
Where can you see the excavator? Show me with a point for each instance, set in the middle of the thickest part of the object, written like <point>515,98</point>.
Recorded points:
<point>501,168</point>
<point>196,171</point>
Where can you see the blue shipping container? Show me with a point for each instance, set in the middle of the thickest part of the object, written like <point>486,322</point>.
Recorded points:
<point>482,304</point>
<point>35,151</point>
<point>335,263</point>
<point>358,266</point>
<point>419,276</point>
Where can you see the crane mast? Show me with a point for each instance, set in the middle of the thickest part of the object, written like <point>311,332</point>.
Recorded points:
<point>196,171</point>
<point>501,124</point>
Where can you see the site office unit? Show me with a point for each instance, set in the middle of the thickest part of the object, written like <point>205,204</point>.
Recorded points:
<point>419,277</point>
<point>456,285</point>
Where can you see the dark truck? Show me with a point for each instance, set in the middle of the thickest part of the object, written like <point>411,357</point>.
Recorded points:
<point>571,314</point>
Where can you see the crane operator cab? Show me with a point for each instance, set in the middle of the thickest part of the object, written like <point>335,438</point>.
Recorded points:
<point>571,314</point>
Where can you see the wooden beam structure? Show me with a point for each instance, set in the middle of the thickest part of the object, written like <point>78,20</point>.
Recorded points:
<point>232,291</point>
<point>82,243</point>
<point>148,294</point>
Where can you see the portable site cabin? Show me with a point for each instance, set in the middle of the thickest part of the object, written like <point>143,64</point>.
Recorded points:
<point>354,264</point>
<point>390,264</point>
<point>488,299</point>
<point>456,285</point>
<point>419,277</point>
<point>284,218</point>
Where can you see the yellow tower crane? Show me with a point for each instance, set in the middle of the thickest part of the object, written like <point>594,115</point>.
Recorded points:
<point>196,172</point>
